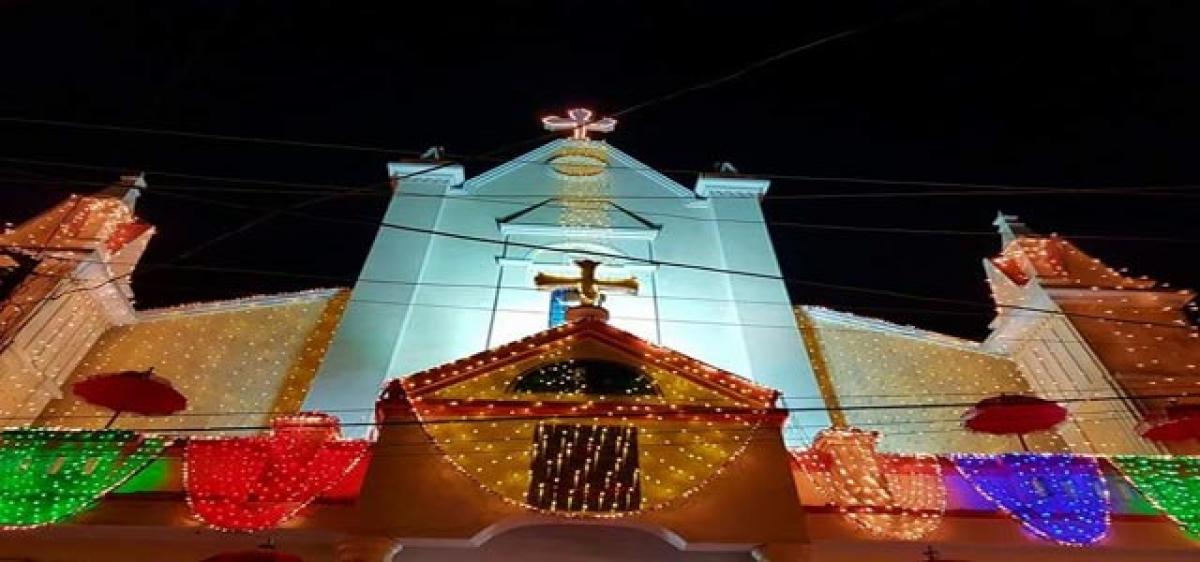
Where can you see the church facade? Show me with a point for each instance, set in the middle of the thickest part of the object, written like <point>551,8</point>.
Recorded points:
<point>424,298</point>
<point>573,357</point>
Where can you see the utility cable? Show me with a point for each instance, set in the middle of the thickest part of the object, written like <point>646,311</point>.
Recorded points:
<point>976,189</point>
<point>632,416</point>
<point>655,262</point>
<point>559,202</point>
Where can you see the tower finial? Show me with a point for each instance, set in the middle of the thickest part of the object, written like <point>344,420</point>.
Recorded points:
<point>127,188</point>
<point>580,122</point>
<point>1010,228</point>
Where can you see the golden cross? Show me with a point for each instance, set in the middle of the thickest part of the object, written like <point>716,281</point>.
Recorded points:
<point>586,286</point>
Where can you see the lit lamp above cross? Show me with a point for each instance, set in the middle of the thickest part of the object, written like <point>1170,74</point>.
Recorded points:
<point>586,289</point>
<point>580,122</point>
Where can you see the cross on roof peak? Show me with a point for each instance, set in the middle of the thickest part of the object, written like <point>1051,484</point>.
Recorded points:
<point>580,122</point>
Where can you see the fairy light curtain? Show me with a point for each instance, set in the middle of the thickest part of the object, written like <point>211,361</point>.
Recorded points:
<point>581,467</point>
<point>1059,497</point>
<point>585,420</point>
<point>888,495</point>
<point>48,476</point>
<point>584,193</point>
<point>1171,484</point>
<point>256,483</point>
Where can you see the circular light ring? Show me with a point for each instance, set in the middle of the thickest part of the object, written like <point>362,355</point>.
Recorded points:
<point>579,160</point>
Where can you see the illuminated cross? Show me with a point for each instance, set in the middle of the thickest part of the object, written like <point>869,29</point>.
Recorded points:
<point>580,122</point>
<point>586,286</point>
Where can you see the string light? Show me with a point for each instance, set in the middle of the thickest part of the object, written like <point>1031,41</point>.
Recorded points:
<point>580,166</point>
<point>890,496</point>
<point>255,355</point>
<point>1171,484</point>
<point>50,475</point>
<point>647,427</point>
<point>1130,331</point>
<point>582,377</point>
<point>579,467</point>
<point>257,483</point>
<point>1057,261</point>
<point>602,448</point>
<point>1058,497</point>
<point>874,361</point>
<point>101,228</point>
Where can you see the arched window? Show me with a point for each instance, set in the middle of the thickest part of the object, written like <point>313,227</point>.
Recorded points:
<point>586,376</point>
<point>558,307</point>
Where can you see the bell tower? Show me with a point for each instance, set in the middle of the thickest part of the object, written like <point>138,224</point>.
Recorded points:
<point>64,279</point>
<point>1083,330</point>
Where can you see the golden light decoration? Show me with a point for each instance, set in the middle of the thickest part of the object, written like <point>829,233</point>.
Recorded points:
<point>581,168</point>
<point>877,366</point>
<point>48,319</point>
<point>890,496</point>
<point>568,451</point>
<point>238,362</point>
<point>1131,331</point>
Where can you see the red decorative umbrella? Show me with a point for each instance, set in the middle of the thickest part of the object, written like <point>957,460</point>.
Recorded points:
<point>140,392</point>
<point>1010,414</point>
<point>1182,423</point>
<point>264,553</point>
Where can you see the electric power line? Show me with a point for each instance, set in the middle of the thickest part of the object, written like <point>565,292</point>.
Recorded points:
<point>660,263</point>
<point>563,202</point>
<point>231,413</point>
<point>973,189</point>
<point>492,288</point>
<point>632,416</point>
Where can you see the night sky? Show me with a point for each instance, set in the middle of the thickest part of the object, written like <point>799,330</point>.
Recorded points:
<point>1064,95</point>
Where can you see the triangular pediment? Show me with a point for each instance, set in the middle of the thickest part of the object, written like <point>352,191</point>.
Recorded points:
<point>556,218</point>
<point>655,376</point>
<point>532,175</point>
<point>585,419</point>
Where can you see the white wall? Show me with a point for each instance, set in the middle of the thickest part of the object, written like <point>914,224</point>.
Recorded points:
<point>1058,363</point>
<point>424,300</point>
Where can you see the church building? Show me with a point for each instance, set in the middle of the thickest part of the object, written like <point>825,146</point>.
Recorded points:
<point>573,357</point>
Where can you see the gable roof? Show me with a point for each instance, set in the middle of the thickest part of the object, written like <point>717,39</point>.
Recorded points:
<point>1054,261</point>
<point>692,370</point>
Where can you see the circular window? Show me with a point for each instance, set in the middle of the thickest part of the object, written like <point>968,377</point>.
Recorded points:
<point>586,376</point>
